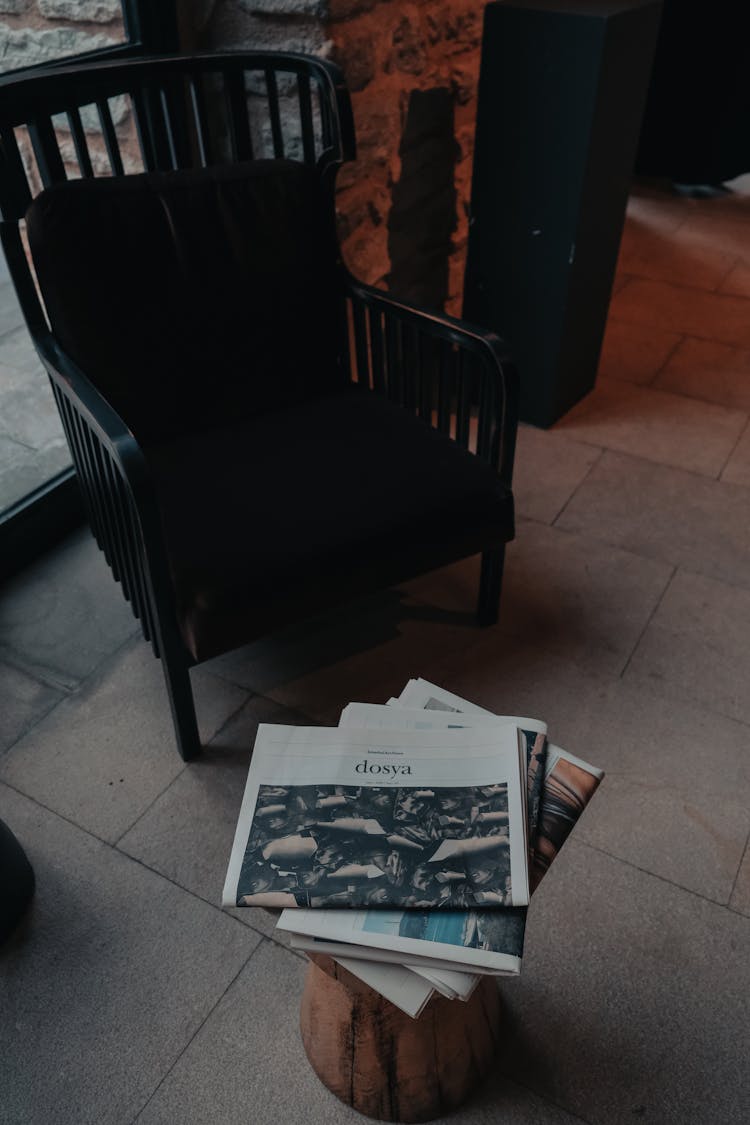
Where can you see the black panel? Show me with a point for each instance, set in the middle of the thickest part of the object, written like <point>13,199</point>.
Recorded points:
<point>561,95</point>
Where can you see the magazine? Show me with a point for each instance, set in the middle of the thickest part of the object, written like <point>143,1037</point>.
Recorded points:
<point>411,819</point>
<point>407,990</point>
<point>467,940</point>
<point>569,783</point>
<point>508,939</point>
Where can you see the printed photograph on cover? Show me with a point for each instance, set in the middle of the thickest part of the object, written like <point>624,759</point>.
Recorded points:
<point>500,931</point>
<point>568,788</point>
<point>390,846</point>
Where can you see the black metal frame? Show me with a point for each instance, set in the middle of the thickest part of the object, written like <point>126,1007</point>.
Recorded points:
<point>434,365</point>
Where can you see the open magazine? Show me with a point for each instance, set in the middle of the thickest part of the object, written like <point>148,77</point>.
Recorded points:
<point>415,819</point>
<point>555,801</point>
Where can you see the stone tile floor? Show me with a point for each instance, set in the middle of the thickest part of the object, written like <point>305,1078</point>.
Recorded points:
<point>130,997</point>
<point>32,444</point>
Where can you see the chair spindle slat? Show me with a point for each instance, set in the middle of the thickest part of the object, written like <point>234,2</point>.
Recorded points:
<point>306,118</point>
<point>239,124</point>
<point>15,194</point>
<point>46,151</point>
<point>277,135</point>
<point>360,346</point>
<point>202,130</point>
<point>173,104</point>
<point>80,145</point>
<point>377,351</point>
<point>463,399</point>
<point>110,138</point>
<point>444,367</point>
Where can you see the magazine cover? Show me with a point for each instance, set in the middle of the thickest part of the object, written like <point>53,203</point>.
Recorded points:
<point>458,932</point>
<point>410,819</point>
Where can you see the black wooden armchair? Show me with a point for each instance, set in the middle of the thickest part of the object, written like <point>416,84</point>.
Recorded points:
<point>256,434</point>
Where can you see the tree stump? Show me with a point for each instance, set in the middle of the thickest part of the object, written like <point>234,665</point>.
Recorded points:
<point>385,1064</point>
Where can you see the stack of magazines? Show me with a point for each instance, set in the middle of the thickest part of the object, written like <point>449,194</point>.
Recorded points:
<point>406,842</point>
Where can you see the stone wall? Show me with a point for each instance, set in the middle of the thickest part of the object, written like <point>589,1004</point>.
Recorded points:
<point>412,67</point>
<point>35,31</point>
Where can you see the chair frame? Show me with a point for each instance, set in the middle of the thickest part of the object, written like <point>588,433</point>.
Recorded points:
<point>436,366</point>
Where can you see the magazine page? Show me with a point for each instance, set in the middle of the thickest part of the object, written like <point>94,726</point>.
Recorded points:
<point>467,940</point>
<point>333,817</point>
<point>374,716</point>
<point>569,785</point>
<point>387,956</point>
<point>460,984</point>
<point>429,697</point>
<point>408,990</point>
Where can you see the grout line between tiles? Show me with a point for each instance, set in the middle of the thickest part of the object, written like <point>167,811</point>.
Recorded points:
<point>583,479</point>
<point>675,347</point>
<point>732,451</point>
<point>198,1029</point>
<point>131,858</point>
<point>736,262</point>
<point>661,878</point>
<point>651,615</point>
<point>545,1098</point>
<point>739,867</point>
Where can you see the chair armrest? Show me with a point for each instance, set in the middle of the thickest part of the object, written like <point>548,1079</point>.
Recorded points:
<point>116,484</point>
<point>455,376</point>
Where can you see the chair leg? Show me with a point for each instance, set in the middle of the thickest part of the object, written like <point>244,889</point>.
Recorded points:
<point>177,676</point>
<point>490,584</point>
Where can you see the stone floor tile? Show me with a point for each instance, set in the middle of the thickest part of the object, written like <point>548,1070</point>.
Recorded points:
<point>668,514</point>
<point>364,651</point>
<point>17,350</point>
<point>249,1054</point>
<point>737,281</point>
<point>23,470</point>
<point>666,428</point>
<point>676,797</point>
<point>658,209</point>
<point>107,751</point>
<point>724,231</point>
<point>65,613</point>
<point>737,468</point>
<point>689,312</point>
<point>674,256</point>
<point>568,595</point>
<point>740,899</point>
<point>632,1003</point>
<point>695,646</point>
<point>107,981</point>
<point>23,701</point>
<point>706,370</point>
<point>10,311</point>
<point>30,415</point>
<point>633,352</point>
<point>548,469</point>
<point>207,794</point>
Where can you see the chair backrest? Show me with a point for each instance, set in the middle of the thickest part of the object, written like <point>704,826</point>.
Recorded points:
<point>191,279</point>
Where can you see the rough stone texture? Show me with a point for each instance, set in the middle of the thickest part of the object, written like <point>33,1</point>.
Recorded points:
<point>81,11</point>
<point>388,49</point>
<point>21,47</point>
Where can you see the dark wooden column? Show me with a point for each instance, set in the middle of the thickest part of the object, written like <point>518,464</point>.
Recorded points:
<point>561,94</point>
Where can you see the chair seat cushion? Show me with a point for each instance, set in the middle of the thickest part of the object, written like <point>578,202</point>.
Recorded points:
<point>283,514</point>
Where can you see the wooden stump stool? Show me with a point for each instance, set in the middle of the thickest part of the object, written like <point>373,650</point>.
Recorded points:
<point>385,1064</point>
